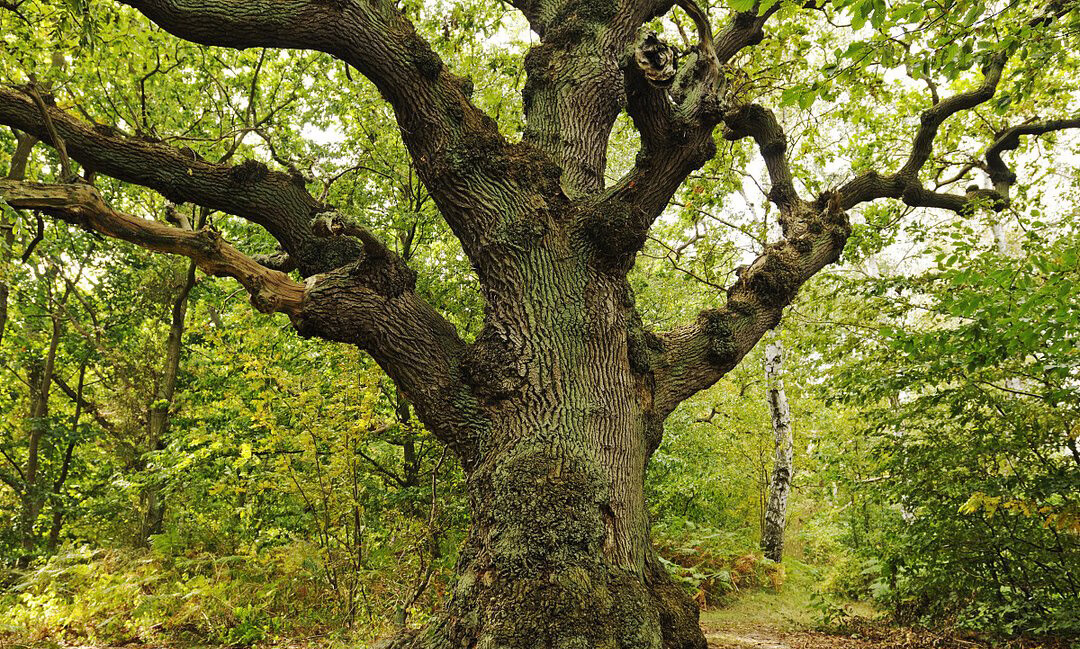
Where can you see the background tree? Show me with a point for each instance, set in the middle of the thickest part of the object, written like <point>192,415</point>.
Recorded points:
<point>968,509</point>
<point>772,534</point>
<point>556,405</point>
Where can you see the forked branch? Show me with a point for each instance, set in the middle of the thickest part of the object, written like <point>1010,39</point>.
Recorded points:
<point>369,303</point>
<point>752,120</point>
<point>675,113</point>
<point>695,356</point>
<point>272,199</point>
<point>1009,140</point>
<point>746,29</point>
<point>439,123</point>
<point>905,184</point>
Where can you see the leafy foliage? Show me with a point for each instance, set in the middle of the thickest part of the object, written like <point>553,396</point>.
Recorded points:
<point>967,386</point>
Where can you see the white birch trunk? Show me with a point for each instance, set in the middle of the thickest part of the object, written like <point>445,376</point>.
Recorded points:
<point>772,536</point>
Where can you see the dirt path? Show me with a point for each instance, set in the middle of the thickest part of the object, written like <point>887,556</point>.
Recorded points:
<point>868,636</point>
<point>746,639</point>
<point>771,638</point>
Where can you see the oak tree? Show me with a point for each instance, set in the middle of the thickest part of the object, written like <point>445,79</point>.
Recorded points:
<point>554,408</point>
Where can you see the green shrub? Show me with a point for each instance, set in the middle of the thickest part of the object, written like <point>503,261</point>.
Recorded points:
<point>710,564</point>
<point>119,597</point>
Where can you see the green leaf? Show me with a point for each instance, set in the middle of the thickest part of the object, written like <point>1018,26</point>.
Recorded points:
<point>765,6</point>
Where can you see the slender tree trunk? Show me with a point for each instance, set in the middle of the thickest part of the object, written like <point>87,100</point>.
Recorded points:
<point>65,468</point>
<point>153,504</point>
<point>41,383</point>
<point>16,171</point>
<point>153,513</point>
<point>772,537</point>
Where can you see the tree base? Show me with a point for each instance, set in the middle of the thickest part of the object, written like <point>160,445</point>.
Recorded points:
<point>564,609</point>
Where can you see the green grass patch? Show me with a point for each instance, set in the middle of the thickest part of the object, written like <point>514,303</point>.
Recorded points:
<point>789,607</point>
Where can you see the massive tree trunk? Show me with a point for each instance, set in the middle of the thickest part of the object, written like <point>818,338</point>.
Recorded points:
<point>558,554</point>
<point>772,534</point>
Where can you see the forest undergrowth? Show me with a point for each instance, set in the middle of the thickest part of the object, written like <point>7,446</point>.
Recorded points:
<point>99,599</point>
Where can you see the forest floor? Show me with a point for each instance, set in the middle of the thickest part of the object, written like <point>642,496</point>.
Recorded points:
<point>766,619</point>
<point>772,638</point>
<point>862,633</point>
<point>765,637</point>
<point>754,618</point>
<point>763,618</point>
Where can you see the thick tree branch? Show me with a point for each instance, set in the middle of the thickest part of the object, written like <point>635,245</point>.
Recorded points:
<point>649,187</point>
<point>905,183</point>
<point>366,297</point>
<point>82,205</point>
<point>1001,175</point>
<point>701,23</point>
<point>373,305</point>
<point>752,120</point>
<point>274,200</point>
<point>932,118</point>
<point>280,261</point>
<point>658,115</point>
<point>744,30</point>
<point>444,132</point>
<point>579,75</point>
<point>695,356</point>
<point>1009,140</point>
<point>676,125</point>
<point>675,114</point>
<point>534,12</point>
<point>370,303</point>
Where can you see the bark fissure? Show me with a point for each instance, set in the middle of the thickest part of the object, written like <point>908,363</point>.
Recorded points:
<point>559,527</point>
